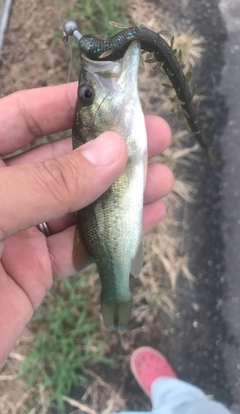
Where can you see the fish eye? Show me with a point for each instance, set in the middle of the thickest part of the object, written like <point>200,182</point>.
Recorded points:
<point>86,95</point>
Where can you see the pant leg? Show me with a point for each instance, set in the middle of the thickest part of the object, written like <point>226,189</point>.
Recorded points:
<point>173,396</point>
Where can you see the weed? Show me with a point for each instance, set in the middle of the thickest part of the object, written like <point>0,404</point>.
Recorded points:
<point>94,17</point>
<point>65,344</point>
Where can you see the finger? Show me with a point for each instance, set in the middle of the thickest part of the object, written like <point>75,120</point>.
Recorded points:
<point>25,276</point>
<point>15,311</point>
<point>33,193</point>
<point>159,178</point>
<point>159,134</point>
<point>152,214</point>
<point>44,111</point>
<point>43,152</point>
<point>56,226</point>
<point>28,114</point>
<point>159,182</point>
<point>159,137</point>
<point>61,245</point>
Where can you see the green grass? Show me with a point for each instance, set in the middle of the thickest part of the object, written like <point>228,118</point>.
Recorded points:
<point>67,341</point>
<point>94,16</point>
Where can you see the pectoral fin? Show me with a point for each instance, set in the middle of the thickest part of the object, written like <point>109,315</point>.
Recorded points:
<point>80,255</point>
<point>137,260</point>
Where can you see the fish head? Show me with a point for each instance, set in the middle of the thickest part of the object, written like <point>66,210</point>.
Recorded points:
<point>107,95</point>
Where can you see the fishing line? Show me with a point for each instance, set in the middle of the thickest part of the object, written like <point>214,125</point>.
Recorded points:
<point>70,47</point>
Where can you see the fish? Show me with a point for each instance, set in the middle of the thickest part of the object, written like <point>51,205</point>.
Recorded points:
<point>111,227</point>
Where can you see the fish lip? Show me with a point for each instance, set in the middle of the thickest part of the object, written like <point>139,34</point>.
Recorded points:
<point>105,68</point>
<point>108,68</point>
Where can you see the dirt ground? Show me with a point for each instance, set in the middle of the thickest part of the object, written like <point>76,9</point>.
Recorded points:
<point>34,55</point>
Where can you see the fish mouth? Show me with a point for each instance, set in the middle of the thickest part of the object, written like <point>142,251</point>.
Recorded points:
<point>124,71</point>
<point>106,68</point>
<point>111,81</point>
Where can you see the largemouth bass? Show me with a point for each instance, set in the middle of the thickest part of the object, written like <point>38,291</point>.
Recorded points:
<point>111,227</point>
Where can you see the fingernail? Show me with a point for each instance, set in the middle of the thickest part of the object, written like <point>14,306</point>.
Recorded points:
<point>103,150</point>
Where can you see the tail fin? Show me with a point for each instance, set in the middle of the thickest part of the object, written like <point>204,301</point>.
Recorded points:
<point>116,315</point>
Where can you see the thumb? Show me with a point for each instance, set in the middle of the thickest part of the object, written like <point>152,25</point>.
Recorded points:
<point>33,193</point>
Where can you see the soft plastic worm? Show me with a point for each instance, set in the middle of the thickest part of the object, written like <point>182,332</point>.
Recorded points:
<point>114,48</point>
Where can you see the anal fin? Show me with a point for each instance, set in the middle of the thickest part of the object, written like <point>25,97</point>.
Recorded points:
<point>137,260</point>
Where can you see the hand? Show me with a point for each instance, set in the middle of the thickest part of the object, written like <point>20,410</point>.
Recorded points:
<point>50,183</point>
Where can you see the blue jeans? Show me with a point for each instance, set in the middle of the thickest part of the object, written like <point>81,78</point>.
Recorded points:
<point>173,396</point>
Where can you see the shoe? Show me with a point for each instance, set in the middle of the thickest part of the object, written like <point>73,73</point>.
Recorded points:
<point>147,364</point>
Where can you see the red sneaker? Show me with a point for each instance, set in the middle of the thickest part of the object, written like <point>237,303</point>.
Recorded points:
<point>147,364</point>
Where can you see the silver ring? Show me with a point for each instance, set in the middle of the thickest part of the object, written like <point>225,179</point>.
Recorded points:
<point>43,227</point>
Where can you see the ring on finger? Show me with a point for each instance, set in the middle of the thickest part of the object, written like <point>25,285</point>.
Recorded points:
<point>44,228</point>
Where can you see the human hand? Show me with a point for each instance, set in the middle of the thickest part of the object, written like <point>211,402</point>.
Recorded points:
<point>48,184</point>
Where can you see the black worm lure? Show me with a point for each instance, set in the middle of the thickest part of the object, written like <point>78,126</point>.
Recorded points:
<point>114,48</point>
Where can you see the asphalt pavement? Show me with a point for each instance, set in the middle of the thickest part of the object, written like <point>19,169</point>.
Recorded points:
<point>203,343</point>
